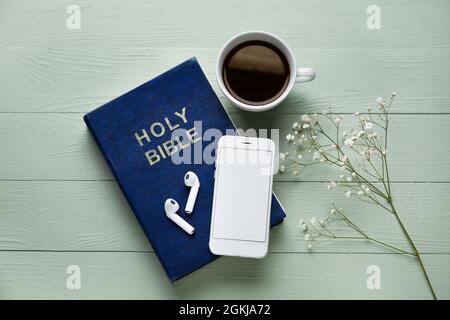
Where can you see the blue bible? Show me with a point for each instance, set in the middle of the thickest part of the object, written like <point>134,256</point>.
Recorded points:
<point>139,135</point>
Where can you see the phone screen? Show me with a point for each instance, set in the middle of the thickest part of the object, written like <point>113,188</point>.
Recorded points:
<point>243,197</point>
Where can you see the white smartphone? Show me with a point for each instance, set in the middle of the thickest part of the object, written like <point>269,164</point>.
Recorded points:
<point>242,197</point>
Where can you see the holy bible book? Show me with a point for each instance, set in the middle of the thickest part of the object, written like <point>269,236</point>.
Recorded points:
<point>150,137</point>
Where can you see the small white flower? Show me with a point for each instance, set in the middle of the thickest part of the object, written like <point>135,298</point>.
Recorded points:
<point>322,160</point>
<point>333,184</point>
<point>309,246</point>
<point>369,109</point>
<point>333,211</point>
<point>334,146</point>
<point>322,222</point>
<point>344,158</point>
<point>281,169</point>
<point>305,118</point>
<point>295,126</point>
<point>384,152</point>
<point>349,142</point>
<point>302,224</point>
<point>353,174</point>
<point>316,156</point>
<point>360,193</point>
<point>295,173</point>
<point>367,190</point>
<point>337,120</point>
<point>307,237</point>
<point>380,101</point>
<point>348,193</point>
<point>344,134</point>
<point>282,156</point>
<point>356,114</point>
<point>328,187</point>
<point>314,137</point>
<point>305,126</point>
<point>304,227</point>
<point>374,134</point>
<point>394,94</point>
<point>342,176</point>
<point>290,137</point>
<point>300,156</point>
<point>349,179</point>
<point>368,126</point>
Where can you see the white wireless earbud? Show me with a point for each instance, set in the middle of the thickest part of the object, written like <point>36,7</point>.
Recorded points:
<point>191,180</point>
<point>171,207</point>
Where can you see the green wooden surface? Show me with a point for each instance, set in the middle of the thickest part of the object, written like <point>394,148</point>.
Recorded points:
<point>60,206</point>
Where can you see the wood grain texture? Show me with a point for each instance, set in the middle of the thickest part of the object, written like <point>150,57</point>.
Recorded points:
<point>80,80</point>
<point>290,276</point>
<point>59,146</point>
<point>94,216</point>
<point>59,204</point>
<point>323,24</point>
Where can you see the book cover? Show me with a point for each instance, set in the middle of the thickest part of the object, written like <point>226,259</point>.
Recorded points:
<point>142,133</point>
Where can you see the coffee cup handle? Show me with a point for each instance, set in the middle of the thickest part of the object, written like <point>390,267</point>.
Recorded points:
<point>305,74</point>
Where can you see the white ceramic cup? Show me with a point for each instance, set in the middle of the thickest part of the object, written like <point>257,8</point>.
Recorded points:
<point>296,74</point>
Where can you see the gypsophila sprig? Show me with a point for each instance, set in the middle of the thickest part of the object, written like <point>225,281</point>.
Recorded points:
<point>337,226</point>
<point>361,155</point>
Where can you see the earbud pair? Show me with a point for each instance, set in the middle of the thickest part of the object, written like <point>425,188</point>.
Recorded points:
<point>171,206</point>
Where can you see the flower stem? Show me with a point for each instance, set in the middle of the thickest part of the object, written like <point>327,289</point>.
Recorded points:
<point>394,212</point>
<point>389,246</point>
<point>413,247</point>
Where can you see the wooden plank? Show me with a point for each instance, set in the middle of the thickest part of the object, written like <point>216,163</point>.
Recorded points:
<point>93,215</point>
<point>318,24</point>
<point>36,79</point>
<point>115,275</point>
<point>51,218</point>
<point>59,146</point>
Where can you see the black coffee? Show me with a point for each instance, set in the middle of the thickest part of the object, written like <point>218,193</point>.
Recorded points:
<point>256,72</point>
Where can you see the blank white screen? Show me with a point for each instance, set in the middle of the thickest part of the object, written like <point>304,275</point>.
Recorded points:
<point>242,195</point>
